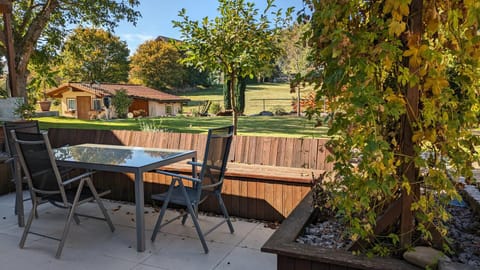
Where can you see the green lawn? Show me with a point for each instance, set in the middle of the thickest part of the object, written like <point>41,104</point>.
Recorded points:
<point>254,92</point>
<point>277,126</point>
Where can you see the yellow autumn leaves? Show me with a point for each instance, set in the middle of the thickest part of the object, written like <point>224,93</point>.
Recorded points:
<point>398,9</point>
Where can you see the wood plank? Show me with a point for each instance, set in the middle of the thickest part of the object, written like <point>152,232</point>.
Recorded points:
<point>273,151</point>
<point>243,198</point>
<point>303,264</point>
<point>312,154</point>
<point>227,195</point>
<point>280,152</point>
<point>288,204</point>
<point>252,150</point>
<point>269,202</point>
<point>285,263</point>
<point>251,193</point>
<point>278,203</point>
<point>295,154</point>
<point>260,212</point>
<point>260,157</point>
<point>305,153</point>
<point>235,199</point>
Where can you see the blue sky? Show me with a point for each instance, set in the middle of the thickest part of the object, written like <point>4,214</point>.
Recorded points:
<point>157,16</point>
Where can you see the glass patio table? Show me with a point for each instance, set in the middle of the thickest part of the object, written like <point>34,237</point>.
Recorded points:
<point>123,159</point>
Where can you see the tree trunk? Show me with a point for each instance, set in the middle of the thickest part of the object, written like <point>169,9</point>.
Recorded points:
<point>233,81</point>
<point>409,169</point>
<point>25,43</point>
<point>298,101</point>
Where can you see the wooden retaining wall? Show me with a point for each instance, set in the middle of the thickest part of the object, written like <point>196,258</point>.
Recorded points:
<point>263,197</point>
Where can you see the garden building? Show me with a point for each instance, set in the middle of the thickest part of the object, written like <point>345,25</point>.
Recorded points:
<point>90,101</point>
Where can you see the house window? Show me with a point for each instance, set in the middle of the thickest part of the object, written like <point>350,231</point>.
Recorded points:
<point>168,109</point>
<point>71,104</point>
<point>96,104</point>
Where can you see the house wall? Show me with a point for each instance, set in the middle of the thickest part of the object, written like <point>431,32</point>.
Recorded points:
<point>71,94</point>
<point>156,108</point>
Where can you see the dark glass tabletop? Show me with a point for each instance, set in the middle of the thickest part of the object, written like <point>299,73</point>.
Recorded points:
<point>117,155</point>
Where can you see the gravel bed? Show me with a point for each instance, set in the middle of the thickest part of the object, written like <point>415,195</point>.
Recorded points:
<point>464,231</point>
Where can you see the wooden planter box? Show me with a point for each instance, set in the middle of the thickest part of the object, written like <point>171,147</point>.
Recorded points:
<point>294,256</point>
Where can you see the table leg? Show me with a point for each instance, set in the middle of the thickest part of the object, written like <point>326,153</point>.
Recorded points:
<point>19,194</point>
<point>139,211</point>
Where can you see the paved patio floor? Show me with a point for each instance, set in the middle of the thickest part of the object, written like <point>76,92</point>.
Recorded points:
<point>91,245</point>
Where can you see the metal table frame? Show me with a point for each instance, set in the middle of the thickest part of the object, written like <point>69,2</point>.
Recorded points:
<point>136,170</point>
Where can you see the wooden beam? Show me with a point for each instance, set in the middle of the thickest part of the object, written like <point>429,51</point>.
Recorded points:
<point>6,9</point>
<point>5,6</point>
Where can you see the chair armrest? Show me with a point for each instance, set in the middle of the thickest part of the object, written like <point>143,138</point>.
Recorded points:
<point>78,177</point>
<point>193,179</point>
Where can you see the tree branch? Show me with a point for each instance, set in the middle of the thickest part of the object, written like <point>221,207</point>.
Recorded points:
<point>27,44</point>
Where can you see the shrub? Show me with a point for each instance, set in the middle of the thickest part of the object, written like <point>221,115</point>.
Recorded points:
<point>121,102</point>
<point>151,125</point>
<point>279,110</point>
<point>215,108</point>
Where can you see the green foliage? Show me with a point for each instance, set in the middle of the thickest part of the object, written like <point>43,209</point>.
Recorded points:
<point>402,98</point>
<point>279,110</point>
<point>121,101</point>
<point>49,21</point>
<point>240,88</point>
<point>227,101</point>
<point>151,125</point>
<point>215,108</point>
<point>24,110</point>
<point>155,64</point>
<point>43,78</point>
<point>238,42</point>
<point>294,59</point>
<point>94,55</point>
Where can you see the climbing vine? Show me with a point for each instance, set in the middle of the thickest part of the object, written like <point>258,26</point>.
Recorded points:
<point>402,79</point>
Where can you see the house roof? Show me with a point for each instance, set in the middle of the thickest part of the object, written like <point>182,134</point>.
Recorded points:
<point>108,89</point>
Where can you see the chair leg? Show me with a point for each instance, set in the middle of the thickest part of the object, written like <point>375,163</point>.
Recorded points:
<point>77,220</point>
<point>184,219</point>
<point>100,204</point>
<point>29,223</point>
<point>71,214</point>
<point>164,209</point>
<point>193,214</point>
<point>224,211</point>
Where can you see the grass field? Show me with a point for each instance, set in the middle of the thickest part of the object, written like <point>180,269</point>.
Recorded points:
<point>274,94</point>
<point>277,126</point>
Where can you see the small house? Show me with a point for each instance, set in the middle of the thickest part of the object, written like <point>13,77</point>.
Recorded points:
<point>89,101</point>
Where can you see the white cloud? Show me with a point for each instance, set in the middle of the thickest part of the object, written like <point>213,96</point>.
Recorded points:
<point>134,40</point>
<point>135,37</point>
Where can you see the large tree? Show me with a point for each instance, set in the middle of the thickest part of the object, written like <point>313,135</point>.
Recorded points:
<point>91,54</point>
<point>402,78</point>
<point>42,24</point>
<point>156,64</point>
<point>238,42</point>
<point>294,61</point>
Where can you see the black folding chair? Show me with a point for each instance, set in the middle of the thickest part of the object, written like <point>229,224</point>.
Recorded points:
<point>46,184</point>
<point>208,181</point>
<point>28,126</point>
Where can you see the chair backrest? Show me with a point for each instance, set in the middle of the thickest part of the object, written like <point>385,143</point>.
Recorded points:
<point>215,159</point>
<point>18,126</point>
<point>38,163</point>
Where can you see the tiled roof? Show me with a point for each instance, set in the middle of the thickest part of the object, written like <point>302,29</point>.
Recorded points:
<point>106,89</point>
